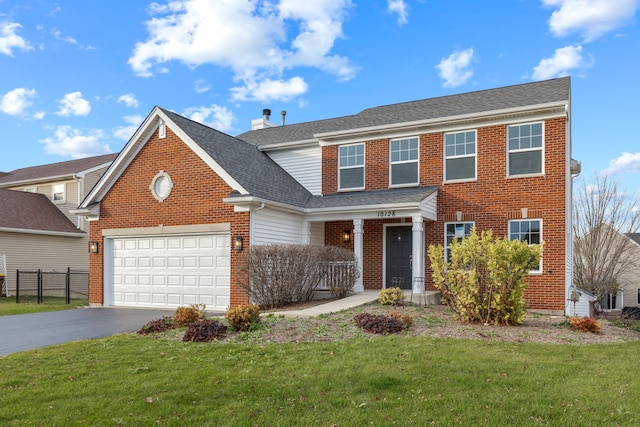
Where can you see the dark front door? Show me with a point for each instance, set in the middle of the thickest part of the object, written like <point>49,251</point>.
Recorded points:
<point>398,252</point>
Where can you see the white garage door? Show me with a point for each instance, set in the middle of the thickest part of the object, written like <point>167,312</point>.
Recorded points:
<point>172,271</point>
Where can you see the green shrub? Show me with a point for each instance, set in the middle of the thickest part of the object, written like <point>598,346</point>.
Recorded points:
<point>205,331</point>
<point>391,296</point>
<point>378,323</point>
<point>243,317</point>
<point>184,316</point>
<point>485,279</point>
<point>158,325</point>
<point>585,324</point>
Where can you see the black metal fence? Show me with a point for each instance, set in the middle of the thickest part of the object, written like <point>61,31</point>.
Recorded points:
<point>70,284</point>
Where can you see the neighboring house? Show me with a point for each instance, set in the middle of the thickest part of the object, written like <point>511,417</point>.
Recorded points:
<point>181,202</point>
<point>630,280</point>
<point>37,230</point>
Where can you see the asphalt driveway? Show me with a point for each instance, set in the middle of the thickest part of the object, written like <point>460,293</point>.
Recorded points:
<point>28,331</point>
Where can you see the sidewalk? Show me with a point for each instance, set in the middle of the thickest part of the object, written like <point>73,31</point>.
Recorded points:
<point>353,300</point>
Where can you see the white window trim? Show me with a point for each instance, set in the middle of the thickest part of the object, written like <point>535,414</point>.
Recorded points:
<point>446,247</point>
<point>364,162</point>
<point>445,158</point>
<point>540,270</point>
<point>619,301</point>
<point>401,162</point>
<point>541,149</point>
<point>64,193</point>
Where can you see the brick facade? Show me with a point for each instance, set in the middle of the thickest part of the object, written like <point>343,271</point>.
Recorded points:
<point>196,199</point>
<point>490,201</point>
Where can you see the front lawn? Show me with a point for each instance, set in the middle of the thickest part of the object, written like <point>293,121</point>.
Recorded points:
<point>133,380</point>
<point>8,305</point>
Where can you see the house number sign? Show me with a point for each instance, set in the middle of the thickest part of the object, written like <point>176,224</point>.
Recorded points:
<point>386,214</point>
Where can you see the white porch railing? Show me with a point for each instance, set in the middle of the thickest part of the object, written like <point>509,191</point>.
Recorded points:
<point>335,272</point>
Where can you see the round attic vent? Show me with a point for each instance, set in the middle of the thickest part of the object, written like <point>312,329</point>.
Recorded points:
<point>161,186</point>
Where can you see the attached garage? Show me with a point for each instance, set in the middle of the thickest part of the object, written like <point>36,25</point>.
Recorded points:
<point>168,271</point>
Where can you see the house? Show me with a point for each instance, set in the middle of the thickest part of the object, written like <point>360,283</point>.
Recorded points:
<point>37,229</point>
<point>629,281</point>
<point>181,202</point>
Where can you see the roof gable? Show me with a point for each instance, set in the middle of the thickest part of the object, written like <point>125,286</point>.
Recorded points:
<point>247,170</point>
<point>31,212</point>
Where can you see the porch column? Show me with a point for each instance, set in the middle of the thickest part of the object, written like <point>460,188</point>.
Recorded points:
<point>357,250</point>
<point>417,251</point>
<point>306,232</point>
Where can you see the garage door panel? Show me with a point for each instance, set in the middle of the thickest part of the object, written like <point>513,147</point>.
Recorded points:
<point>172,271</point>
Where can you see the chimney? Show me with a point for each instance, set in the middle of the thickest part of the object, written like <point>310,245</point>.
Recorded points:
<point>284,113</point>
<point>263,122</point>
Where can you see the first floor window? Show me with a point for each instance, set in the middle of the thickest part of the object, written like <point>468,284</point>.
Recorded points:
<point>460,156</point>
<point>638,296</point>
<point>524,146</point>
<point>351,167</point>
<point>527,230</point>
<point>404,161</point>
<point>455,231</point>
<point>58,193</point>
<point>612,301</point>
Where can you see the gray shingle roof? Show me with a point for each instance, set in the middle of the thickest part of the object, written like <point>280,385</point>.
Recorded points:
<point>634,236</point>
<point>368,198</point>
<point>252,169</point>
<point>536,93</point>
<point>53,170</point>
<point>31,211</point>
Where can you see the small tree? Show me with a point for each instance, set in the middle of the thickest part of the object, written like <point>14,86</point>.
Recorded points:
<point>485,279</point>
<point>603,212</point>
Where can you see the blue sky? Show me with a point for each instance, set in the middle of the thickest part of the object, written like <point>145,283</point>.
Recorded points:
<point>78,77</point>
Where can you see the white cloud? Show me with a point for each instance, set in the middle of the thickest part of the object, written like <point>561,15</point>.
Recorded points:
<point>9,40</point>
<point>39,115</point>
<point>126,132</point>
<point>399,7</point>
<point>217,117</point>
<point>256,40</point>
<point>270,90</point>
<point>456,68</point>
<point>129,100</point>
<point>626,162</point>
<point>201,86</point>
<point>67,39</point>
<point>561,63</point>
<point>74,104</point>
<point>16,101</point>
<point>590,18</point>
<point>70,142</point>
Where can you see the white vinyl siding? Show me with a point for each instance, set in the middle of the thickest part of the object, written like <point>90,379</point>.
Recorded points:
<point>276,227</point>
<point>26,251</point>
<point>304,164</point>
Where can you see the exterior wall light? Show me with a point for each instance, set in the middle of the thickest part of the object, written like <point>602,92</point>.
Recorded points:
<point>238,243</point>
<point>93,246</point>
<point>346,236</point>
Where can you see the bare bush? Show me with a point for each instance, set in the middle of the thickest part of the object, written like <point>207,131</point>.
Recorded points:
<point>277,275</point>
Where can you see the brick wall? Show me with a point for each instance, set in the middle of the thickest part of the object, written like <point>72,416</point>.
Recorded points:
<point>196,199</point>
<point>491,201</point>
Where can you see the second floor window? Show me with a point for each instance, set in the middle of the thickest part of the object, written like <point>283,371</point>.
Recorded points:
<point>58,192</point>
<point>351,167</point>
<point>524,144</point>
<point>404,161</point>
<point>460,156</point>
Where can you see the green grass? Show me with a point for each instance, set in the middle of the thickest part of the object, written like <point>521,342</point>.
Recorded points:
<point>142,381</point>
<point>8,306</point>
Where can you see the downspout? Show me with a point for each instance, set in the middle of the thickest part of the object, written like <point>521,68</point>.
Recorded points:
<point>252,222</point>
<point>80,183</point>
